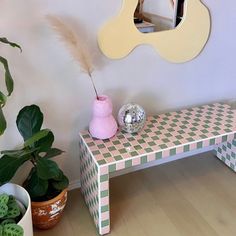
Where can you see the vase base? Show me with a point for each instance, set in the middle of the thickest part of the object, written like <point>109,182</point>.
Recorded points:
<point>103,136</point>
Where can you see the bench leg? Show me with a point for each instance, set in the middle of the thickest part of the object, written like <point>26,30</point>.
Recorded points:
<point>226,152</point>
<point>95,189</point>
<point>104,201</point>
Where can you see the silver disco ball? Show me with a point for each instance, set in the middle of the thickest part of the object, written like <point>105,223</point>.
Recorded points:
<point>131,118</point>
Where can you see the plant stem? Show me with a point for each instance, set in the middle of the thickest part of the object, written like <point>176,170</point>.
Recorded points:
<point>33,160</point>
<point>94,87</point>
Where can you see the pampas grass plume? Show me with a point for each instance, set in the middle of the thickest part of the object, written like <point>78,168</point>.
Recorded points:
<point>74,44</point>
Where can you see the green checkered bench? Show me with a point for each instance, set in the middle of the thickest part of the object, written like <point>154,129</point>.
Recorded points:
<point>163,136</point>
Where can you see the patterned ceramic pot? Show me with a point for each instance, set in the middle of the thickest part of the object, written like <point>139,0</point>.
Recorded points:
<point>47,214</point>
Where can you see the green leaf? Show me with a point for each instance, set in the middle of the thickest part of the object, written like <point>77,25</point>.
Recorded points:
<point>13,153</point>
<point>8,78</point>
<point>3,100</point>
<point>3,123</point>
<point>60,184</point>
<point>9,166</point>
<point>1,230</point>
<point>13,211</point>
<point>13,230</point>
<point>5,40</point>
<point>4,198</point>
<point>59,176</point>
<point>3,210</point>
<point>45,143</point>
<point>47,169</point>
<point>36,186</point>
<point>12,200</point>
<point>53,152</point>
<point>8,221</point>
<point>19,153</point>
<point>29,121</point>
<point>36,137</point>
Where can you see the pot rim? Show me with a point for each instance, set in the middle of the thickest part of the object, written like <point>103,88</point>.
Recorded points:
<point>49,202</point>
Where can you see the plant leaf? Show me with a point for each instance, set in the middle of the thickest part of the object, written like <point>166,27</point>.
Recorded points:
<point>36,186</point>
<point>13,230</point>
<point>13,211</point>
<point>9,166</point>
<point>3,123</point>
<point>36,137</point>
<point>4,198</point>
<point>53,152</point>
<point>1,230</point>
<point>3,100</point>
<point>8,78</point>
<point>45,143</point>
<point>59,176</point>
<point>47,169</point>
<point>29,121</point>
<point>7,222</point>
<point>3,210</point>
<point>61,184</point>
<point>19,153</point>
<point>5,40</point>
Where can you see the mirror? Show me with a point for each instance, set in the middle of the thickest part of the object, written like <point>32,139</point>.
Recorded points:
<point>119,36</point>
<point>158,15</point>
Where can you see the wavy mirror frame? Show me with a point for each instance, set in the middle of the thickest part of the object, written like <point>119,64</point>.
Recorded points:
<point>120,35</point>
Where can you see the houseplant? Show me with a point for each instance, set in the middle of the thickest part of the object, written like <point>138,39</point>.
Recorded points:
<point>23,201</point>
<point>10,212</point>
<point>9,84</point>
<point>103,125</point>
<point>46,183</point>
<point>23,223</point>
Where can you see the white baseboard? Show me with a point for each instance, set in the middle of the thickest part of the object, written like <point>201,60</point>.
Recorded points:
<point>76,183</point>
<point>232,103</point>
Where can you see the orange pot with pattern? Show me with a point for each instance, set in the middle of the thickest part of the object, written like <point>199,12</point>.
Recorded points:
<point>47,214</point>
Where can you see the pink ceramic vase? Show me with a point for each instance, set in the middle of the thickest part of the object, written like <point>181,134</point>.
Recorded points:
<point>103,124</point>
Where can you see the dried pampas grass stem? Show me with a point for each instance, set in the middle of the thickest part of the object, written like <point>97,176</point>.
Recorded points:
<point>78,50</point>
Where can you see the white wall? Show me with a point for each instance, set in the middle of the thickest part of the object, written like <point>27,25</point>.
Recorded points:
<point>162,8</point>
<point>45,74</point>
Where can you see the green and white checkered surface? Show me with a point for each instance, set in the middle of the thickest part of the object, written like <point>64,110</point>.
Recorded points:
<point>163,136</point>
<point>226,152</point>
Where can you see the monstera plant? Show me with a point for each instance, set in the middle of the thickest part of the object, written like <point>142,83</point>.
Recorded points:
<point>9,84</point>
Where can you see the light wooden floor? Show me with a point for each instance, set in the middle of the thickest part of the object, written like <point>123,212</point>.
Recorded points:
<point>190,197</point>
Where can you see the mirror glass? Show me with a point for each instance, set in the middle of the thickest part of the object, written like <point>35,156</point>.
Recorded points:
<point>158,15</point>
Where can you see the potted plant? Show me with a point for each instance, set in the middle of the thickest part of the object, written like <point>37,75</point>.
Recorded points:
<point>15,211</point>
<point>46,182</point>
<point>9,85</point>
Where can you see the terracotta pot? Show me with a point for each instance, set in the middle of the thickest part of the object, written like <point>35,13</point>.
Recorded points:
<point>47,214</point>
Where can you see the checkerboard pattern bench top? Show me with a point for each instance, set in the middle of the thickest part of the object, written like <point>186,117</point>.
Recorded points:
<point>167,134</point>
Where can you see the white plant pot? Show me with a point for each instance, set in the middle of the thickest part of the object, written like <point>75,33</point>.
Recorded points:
<point>22,195</point>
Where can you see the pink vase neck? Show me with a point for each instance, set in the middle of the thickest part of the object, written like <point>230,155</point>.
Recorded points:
<point>102,106</point>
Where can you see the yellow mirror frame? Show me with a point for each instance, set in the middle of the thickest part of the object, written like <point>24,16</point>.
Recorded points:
<point>120,35</point>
